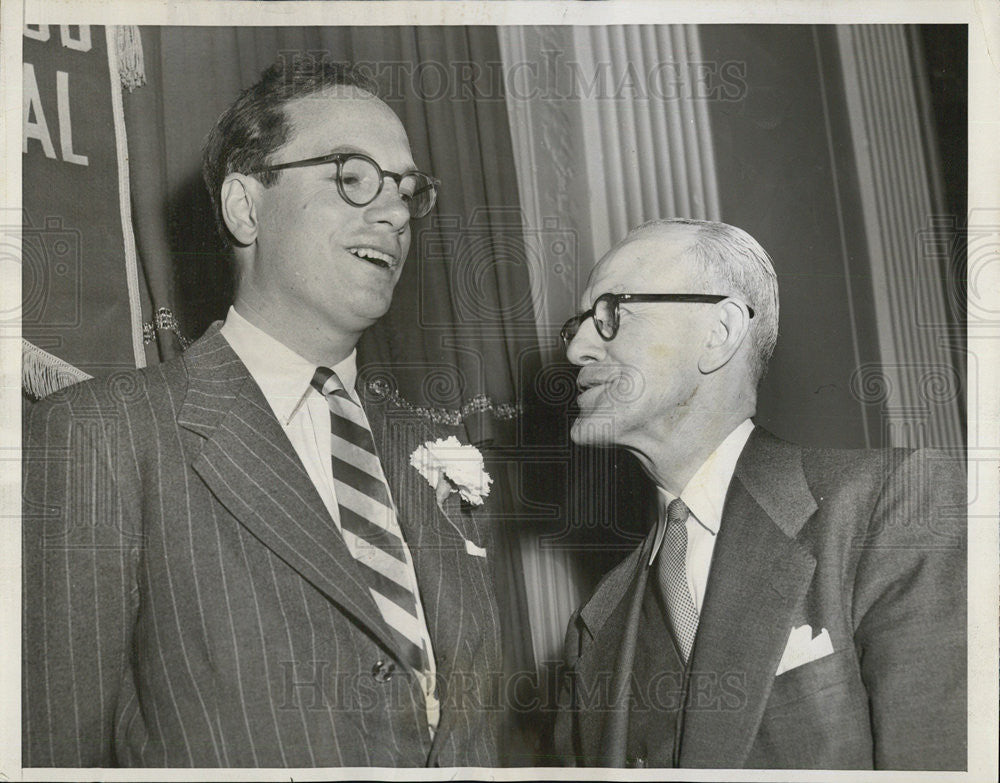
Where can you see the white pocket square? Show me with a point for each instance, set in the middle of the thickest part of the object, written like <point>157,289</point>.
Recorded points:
<point>802,648</point>
<point>474,550</point>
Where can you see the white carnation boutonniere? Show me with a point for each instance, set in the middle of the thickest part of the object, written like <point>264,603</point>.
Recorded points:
<point>451,466</point>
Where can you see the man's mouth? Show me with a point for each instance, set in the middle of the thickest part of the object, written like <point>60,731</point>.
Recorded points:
<point>374,256</point>
<point>585,382</point>
<point>601,388</point>
<point>588,390</point>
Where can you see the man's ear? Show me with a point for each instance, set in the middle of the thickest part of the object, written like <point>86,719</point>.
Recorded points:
<point>729,330</point>
<point>238,201</point>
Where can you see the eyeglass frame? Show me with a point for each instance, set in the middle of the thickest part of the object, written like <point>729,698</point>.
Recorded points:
<point>339,158</point>
<point>617,299</point>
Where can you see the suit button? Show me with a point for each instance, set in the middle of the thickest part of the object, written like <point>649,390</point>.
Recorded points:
<point>637,762</point>
<point>382,671</point>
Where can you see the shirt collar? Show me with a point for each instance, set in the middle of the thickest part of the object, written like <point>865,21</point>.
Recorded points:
<point>283,376</point>
<point>705,493</point>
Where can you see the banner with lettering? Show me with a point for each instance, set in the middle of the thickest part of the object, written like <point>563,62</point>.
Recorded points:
<point>82,303</point>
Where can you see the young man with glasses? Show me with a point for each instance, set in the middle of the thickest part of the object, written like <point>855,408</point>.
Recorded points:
<point>234,564</point>
<point>791,607</point>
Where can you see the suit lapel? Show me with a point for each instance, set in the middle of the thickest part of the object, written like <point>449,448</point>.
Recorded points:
<point>616,606</point>
<point>248,463</point>
<point>437,548</point>
<point>612,589</point>
<point>759,575</point>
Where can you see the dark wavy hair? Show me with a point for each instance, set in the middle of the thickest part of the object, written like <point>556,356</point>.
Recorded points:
<point>255,126</point>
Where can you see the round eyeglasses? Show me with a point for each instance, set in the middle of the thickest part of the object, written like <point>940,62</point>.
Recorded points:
<point>360,180</point>
<point>607,317</point>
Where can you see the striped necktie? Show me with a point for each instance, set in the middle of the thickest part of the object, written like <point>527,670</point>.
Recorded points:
<point>368,520</point>
<point>672,578</point>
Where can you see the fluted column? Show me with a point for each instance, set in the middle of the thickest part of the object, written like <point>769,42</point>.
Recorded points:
<point>610,128</point>
<point>915,382</point>
<point>647,139</point>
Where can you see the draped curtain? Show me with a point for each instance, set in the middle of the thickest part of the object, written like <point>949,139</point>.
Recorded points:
<point>462,322</point>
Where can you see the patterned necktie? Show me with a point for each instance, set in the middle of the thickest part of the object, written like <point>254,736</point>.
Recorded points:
<point>368,519</point>
<point>672,578</point>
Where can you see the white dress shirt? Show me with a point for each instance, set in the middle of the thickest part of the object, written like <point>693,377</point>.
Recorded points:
<point>285,379</point>
<point>705,495</point>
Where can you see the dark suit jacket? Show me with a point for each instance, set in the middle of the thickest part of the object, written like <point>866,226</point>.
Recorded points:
<point>869,545</point>
<point>188,601</point>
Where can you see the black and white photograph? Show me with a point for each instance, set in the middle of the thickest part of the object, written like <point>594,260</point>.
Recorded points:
<point>499,390</point>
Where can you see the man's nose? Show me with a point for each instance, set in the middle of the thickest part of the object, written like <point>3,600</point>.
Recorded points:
<point>586,345</point>
<point>389,207</point>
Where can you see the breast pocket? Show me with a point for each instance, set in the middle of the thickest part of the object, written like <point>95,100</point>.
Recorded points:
<point>816,717</point>
<point>812,678</point>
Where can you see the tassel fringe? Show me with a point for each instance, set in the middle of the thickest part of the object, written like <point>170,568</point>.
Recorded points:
<point>131,67</point>
<point>42,373</point>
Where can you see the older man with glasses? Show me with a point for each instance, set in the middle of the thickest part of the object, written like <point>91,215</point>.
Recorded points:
<point>228,559</point>
<point>790,607</point>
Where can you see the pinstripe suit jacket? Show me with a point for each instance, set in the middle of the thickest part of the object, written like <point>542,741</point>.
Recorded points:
<point>188,600</point>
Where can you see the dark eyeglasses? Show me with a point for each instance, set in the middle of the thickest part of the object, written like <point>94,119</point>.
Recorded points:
<point>606,316</point>
<point>360,180</point>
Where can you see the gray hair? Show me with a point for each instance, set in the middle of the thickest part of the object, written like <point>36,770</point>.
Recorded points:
<point>730,257</point>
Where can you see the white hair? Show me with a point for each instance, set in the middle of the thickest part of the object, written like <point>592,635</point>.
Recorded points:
<point>728,256</point>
